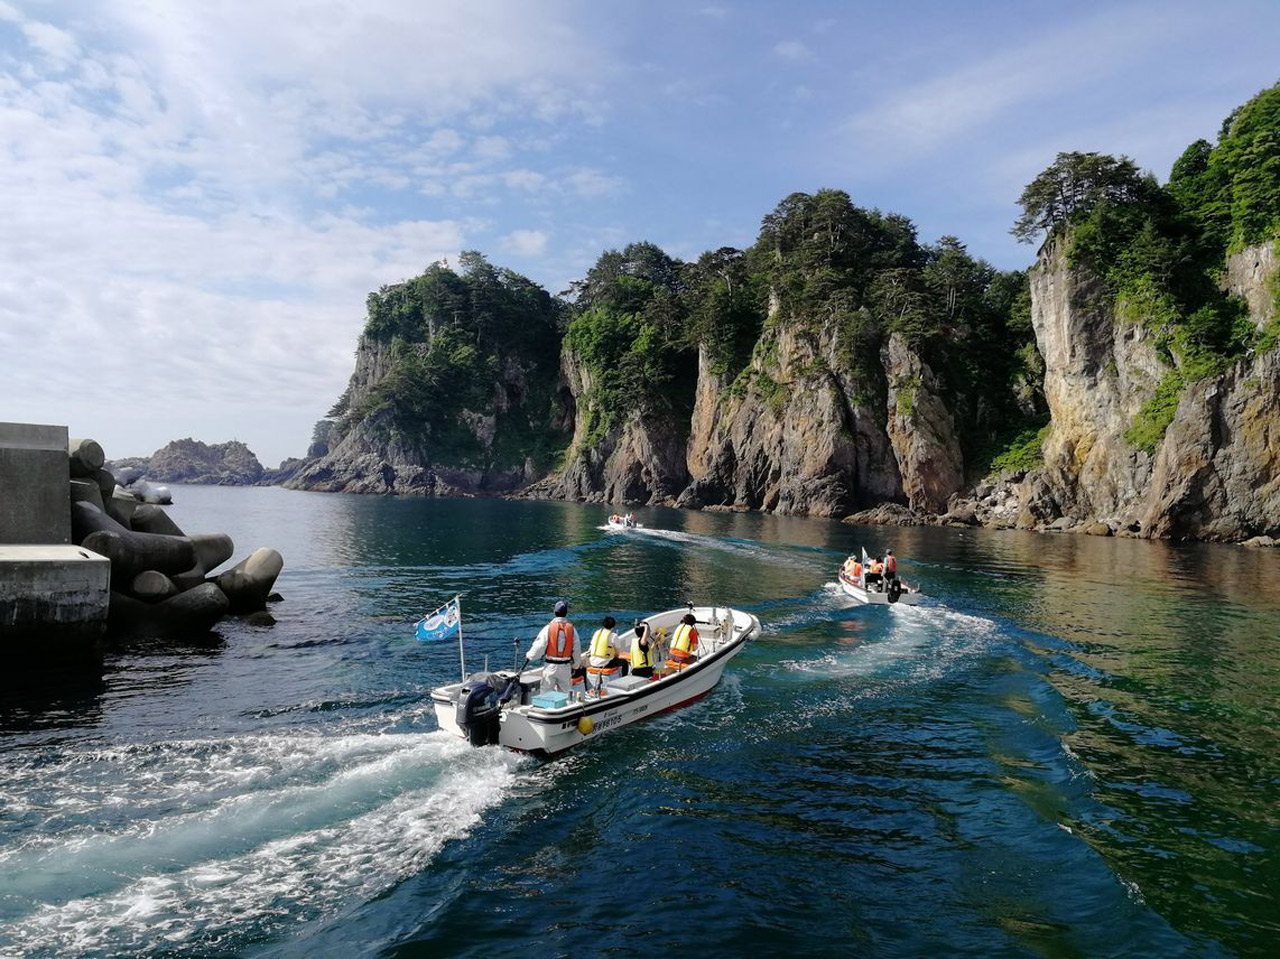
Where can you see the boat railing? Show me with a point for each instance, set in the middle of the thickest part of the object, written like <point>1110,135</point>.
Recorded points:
<point>717,631</point>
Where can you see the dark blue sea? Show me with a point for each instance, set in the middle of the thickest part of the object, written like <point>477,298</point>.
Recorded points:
<point>1073,749</point>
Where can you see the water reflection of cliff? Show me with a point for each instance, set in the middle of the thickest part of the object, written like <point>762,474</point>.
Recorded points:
<point>1171,679</point>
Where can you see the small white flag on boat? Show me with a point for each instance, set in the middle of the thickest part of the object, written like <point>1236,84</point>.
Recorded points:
<point>444,623</point>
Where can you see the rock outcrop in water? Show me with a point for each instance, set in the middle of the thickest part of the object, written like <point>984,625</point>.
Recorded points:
<point>456,390</point>
<point>192,461</point>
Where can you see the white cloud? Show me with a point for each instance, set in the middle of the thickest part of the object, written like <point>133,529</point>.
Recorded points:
<point>792,50</point>
<point>592,183</point>
<point>525,243</point>
<point>183,252</point>
<point>57,45</point>
<point>525,180</point>
<point>493,148</point>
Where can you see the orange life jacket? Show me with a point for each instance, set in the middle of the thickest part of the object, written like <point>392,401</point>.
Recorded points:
<point>559,642</point>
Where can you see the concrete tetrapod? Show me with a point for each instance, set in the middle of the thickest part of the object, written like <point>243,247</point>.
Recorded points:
<point>190,614</point>
<point>120,506</point>
<point>249,583</point>
<point>106,482</point>
<point>127,475</point>
<point>212,549</point>
<point>152,586</point>
<point>87,517</point>
<point>153,493</point>
<point>86,491</point>
<point>132,553</point>
<point>86,457</point>
<point>149,518</point>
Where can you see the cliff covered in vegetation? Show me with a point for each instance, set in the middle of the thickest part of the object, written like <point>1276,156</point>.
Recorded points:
<point>1155,309</point>
<point>1125,384</point>
<point>456,389</point>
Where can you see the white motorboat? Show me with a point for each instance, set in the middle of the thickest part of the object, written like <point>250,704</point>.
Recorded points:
<point>879,594</point>
<point>623,522</point>
<point>550,723</point>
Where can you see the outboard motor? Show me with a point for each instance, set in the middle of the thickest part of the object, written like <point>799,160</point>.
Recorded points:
<point>895,590</point>
<point>478,712</point>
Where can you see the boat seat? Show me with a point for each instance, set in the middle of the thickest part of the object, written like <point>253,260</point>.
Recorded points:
<point>675,666</point>
<point>604,670</point>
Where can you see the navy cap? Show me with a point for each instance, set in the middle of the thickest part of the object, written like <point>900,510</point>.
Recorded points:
<point>562,608</point>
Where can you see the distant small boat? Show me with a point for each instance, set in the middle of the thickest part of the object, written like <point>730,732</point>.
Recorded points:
<point>547,724</point>
<point>623,522</point>
<point>883,593</point>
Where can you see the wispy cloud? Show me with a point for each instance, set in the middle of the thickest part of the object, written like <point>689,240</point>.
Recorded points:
<point>525,243</point>
<point>593,183</point>
<point>792,50</point>
<point>921,118</point>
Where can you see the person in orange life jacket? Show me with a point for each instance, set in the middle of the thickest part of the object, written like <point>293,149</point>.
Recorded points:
<point>685,640</point>
<point>642,651</point>
<point>874,572</point>
<point>890,565</point>
<point>558,643</point>
<point>603,653</point>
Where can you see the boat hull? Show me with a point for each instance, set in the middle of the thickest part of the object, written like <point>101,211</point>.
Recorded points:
<point>549,732</point>
<point>872,597</point>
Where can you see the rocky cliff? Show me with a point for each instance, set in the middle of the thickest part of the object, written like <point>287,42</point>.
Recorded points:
<point>1100,368</point>
<point>641,460</point>
<point>805,389</point>
<point>796,432</point>
<point>375,453</point>
<point>454,391</point>
<point>1214,472</point>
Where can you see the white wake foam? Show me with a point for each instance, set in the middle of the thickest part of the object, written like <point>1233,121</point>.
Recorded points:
<point>249,836</point>
<point>922,643</point>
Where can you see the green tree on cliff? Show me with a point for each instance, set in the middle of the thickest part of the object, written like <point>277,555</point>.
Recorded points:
<point>1233,189</point>
<point>1072,187</point>
<point>628,332</point>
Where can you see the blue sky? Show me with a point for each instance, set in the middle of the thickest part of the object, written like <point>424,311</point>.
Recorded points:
<point>199,196</point>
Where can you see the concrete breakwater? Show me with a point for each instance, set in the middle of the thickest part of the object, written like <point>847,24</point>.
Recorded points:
<point>81,556</point>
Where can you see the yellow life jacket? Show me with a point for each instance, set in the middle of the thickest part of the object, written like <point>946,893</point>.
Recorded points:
<point>685,639</point>
<point>640,657</point>
<point>600,643</point>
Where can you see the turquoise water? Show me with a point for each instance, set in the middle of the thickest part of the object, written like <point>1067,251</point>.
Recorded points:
<point>1072,750</point>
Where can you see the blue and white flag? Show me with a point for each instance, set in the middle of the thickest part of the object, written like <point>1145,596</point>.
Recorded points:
<point>444,623</point>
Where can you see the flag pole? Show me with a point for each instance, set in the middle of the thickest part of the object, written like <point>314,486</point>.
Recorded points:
<point>462,659</point>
